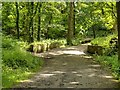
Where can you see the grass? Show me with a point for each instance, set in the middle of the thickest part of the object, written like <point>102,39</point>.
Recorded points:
<point>17,63</point>
<point>107,60</point>
<point>111,62</point>
<point>11,76</point>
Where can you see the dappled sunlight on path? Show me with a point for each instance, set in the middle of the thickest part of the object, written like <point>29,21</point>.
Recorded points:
<point>70,68</point>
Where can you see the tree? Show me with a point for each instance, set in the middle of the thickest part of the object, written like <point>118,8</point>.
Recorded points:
<point>32,22</point>
<point>118,25</point>
<point>74,18</point>
<point>70,24</point>
<point>39,20</point>
<point>17,20</point>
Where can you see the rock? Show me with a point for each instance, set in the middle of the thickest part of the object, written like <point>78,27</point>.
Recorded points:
<point>95,49</point>
<point>54,45</point>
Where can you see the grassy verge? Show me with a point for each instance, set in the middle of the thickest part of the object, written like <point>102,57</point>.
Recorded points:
<point>108,60</point>
<point>17,64</point>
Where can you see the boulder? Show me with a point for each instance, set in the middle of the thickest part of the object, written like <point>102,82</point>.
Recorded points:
<point>93,49</point>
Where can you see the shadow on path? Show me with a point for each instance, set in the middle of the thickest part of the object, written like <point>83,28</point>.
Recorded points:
<point>70,68</point>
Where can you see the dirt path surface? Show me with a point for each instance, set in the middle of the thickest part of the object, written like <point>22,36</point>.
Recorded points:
<point>70,68</point>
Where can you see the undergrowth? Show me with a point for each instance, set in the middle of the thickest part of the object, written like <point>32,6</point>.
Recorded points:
<point>110,57</point>
<point>103,41</point>
<point>17,63</point>
<point>111,62</point>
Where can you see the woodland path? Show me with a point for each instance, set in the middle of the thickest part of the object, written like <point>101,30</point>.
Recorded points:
<point>70,67</point>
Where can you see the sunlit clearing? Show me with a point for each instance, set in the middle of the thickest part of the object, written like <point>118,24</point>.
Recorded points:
<point>95,65</point>
<point>107,76</point>
<point>25,81</point>
<point>73,52</point>
<point>87,44</point>
<point>79,75</point>
<point>89,57</point>
<point>46,71</point>
<point>74,72</point>
<point>90,70</point>
<point>67,52</point>
<point>46,75</point>
<point>74,82</point>
<point>64,64</point>
<point>58,72</point>
<point>70,87</point>
<point>91,75</point>
<point>71,48</point>
<point>115,80</point>
<point>56,53</point>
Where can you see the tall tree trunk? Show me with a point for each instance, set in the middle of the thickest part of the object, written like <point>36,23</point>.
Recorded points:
<point>29,22</point>
<point>48,27</point>
<point>32,7</point>
<point>94,28</point>
<point>39,20</point>
<point>74,19</point>
<point>118,25</point>
<point>70,24</point>
<point>17,20</point>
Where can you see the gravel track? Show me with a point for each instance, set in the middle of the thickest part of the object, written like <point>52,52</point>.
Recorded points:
<point>70,67</point>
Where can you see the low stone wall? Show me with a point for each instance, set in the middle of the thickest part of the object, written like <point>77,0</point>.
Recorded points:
<point>93,49</point>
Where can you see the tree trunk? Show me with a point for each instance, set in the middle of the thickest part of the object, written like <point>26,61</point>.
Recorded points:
<point>32,7</point>
<point>31,21</point>
<point>70,24</point>
<point>39,20</point>
<point>48,27</point>
<point>94,28</point>
<point>118,25</point>
<point>17,20</point>
<point>74,19</point>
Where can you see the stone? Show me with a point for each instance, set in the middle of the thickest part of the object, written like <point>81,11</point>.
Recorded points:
<point>93,49</point>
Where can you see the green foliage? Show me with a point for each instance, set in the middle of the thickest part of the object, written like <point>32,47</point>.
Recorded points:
<point>110,57</point>
<point>76,41</point>
<point>103,41</point>
<point>11,76</point>
<point>54,18</point>
<point>8,42</point>
<point>19,58</point>
<point>111,62</point>
<point>16,62</point>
